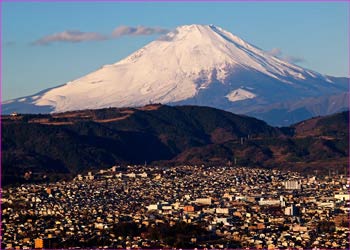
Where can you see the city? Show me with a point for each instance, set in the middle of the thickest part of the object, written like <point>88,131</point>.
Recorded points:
<point>175,125</point>
<point>179,207</point>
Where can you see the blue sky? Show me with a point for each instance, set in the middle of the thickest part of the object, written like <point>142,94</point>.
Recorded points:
<point>313,35</point>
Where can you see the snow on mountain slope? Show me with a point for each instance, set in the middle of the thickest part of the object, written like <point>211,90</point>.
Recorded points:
<point>193,64</point>
<point>240,94</point>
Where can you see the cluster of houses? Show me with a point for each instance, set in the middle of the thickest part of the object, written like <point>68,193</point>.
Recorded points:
<point>252,207</point>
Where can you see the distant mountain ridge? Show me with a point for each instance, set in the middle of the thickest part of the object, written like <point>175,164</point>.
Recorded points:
<point>197,65</point>
<point>61,145</point>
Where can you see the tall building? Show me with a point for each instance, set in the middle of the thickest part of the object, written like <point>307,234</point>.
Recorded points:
<point>292,184</point>
<point>292,210</point>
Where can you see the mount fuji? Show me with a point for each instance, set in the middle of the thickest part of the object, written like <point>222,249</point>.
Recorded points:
<point>198,65</point>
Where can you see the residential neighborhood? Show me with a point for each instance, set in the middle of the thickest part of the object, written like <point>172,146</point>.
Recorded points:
<point>179,207</point>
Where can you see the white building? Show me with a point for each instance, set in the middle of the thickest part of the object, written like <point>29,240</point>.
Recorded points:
<point>204,201</point>
<point>292,184</point>
<point>167,207</point>
<point>143,175</point>
<point>222,211</point>
<point>240,198</point>
<point>131,175</point>
<point>342,197</point>
<point>292,210</point>
<point>329,204</point>
<point>153,207</point>
<point>263,202</point>
<point>222,220</point>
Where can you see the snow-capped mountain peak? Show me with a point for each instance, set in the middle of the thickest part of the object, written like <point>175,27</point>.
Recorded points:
<point>198,64</point>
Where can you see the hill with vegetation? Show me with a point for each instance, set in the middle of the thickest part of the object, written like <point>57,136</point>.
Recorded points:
<point>39,147</point>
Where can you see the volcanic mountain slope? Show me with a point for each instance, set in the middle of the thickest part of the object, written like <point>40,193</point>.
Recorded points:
<point>194,64</point>
<point>74,142</point>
